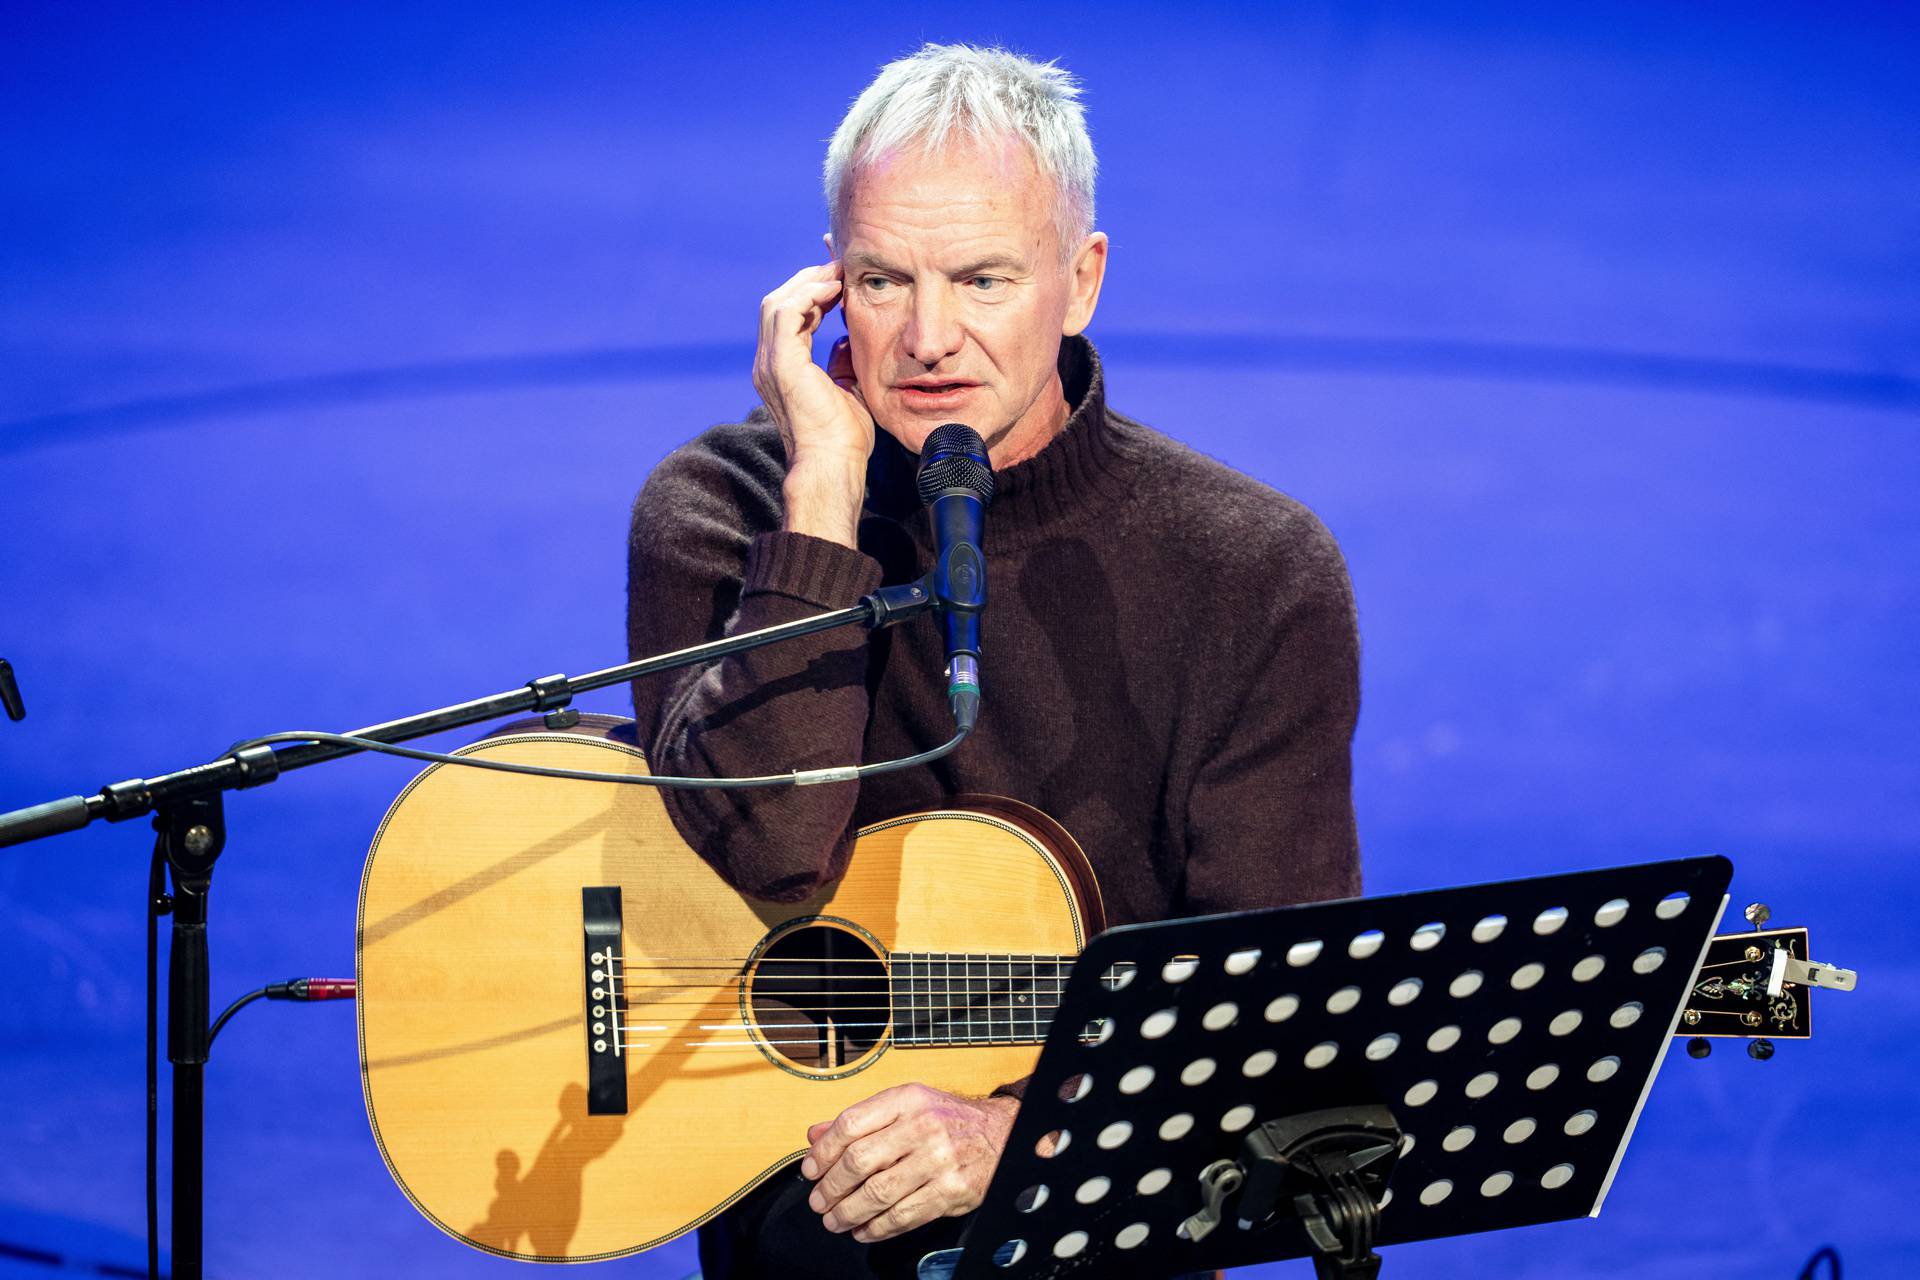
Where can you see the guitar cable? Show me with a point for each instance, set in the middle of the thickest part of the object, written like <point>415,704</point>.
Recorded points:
<point>796,778</point>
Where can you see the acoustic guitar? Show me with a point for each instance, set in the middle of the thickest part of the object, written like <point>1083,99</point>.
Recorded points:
<point>577,1042</point>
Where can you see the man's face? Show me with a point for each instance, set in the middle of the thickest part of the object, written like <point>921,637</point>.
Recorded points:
<point>957,294</point>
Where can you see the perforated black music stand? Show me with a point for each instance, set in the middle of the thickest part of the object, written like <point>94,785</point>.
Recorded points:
<point>1315,1080</point>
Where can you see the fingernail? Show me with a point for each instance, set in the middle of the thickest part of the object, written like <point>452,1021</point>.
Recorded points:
<point>808,1169</point>
<point>817,1202</point>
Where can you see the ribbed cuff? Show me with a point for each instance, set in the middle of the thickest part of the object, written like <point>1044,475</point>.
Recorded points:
<point>809,569</point>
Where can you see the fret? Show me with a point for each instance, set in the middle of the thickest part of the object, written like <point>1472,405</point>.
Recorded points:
<point>923,998</point>
<point>928,1000</point>
<point>903,1011</point>
<point>995,1011</point>
<point>908,1020</point>
<point>989,1001</point>
<point>999,1007</point>
<point>915,999</point>
<point>988,1012</point>
<point>971,991</point>
<point>1023,1008</point>
<point>982,970</point>
<point>984,983</point>
<point>1033,997</point>
<point>1060,985</point>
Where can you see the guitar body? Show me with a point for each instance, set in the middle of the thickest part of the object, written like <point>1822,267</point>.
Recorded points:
<point>486,897</point>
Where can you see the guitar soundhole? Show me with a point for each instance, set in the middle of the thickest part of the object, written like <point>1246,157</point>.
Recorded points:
<point>819,996</point>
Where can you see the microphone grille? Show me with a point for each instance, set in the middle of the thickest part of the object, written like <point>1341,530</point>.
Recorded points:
<point>955,457</point>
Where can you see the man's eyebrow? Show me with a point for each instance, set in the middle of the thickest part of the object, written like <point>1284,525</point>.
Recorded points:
<point>993,262</point>
<point>862,260</point>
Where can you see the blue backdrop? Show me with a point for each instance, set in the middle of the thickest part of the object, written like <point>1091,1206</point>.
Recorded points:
<point>338,340</point>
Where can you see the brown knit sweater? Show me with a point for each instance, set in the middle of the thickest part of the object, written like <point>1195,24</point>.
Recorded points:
<point>1169,665</point>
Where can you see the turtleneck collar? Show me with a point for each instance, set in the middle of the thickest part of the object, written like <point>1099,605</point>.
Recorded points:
<point>1089,463</point>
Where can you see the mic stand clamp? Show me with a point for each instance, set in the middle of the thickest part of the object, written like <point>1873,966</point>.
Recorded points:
<point>1329,1169</point>
<point>192,833</point>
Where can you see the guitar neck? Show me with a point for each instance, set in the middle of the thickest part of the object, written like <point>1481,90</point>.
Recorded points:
<point>941,998</point>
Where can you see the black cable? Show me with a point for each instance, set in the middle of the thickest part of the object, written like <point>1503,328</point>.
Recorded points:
<point>232,1009</point>
<point>1825,1253</point>
<point>798,777</point>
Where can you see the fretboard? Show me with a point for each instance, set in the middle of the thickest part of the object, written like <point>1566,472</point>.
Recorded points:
<point>951,998</point>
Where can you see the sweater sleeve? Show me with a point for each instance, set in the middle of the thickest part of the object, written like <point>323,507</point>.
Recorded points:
<point>697,572</point>
<point>1270,817</point>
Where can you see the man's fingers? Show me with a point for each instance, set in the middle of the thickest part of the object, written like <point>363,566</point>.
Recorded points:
<point>806,275</point>
<point>862,1160</point>
<point>878,1192</point>
<point>915,1210</point>
<point>857,1121</point>
<point>798,310</point>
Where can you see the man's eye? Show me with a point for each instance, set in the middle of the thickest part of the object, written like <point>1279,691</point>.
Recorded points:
<point>876,283</point>
<point>985,284</point>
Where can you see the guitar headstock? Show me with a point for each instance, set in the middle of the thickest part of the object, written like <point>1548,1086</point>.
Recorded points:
<point>1730,996</point>
<point>1755,986</point>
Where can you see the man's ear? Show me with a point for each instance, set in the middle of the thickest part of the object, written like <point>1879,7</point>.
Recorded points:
<point>826,238</point>
<point>1085,274</point>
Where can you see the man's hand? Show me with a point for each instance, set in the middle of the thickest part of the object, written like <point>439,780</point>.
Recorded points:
<point>904,1157</point>
<point>823,421</point>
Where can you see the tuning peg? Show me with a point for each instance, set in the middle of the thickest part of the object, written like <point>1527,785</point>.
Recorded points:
<point>1699,1047</point>
<point>1759,1050</point>
<point>1757,915</point>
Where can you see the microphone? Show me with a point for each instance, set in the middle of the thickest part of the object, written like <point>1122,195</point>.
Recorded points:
<point>956,482</point>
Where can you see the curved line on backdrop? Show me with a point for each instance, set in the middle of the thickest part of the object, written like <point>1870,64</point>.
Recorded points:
<point>1388,357</point>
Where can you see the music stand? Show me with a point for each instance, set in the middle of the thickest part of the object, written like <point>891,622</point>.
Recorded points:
<point>1236,1089</point>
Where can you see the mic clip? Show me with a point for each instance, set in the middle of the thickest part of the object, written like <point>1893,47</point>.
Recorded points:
<point>889,605</point>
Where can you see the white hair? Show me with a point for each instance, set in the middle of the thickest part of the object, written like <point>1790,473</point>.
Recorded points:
<point>946,90</point>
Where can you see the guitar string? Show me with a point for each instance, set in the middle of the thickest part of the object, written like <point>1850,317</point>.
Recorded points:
<point>780,993</point>
<point>958,1035</point>
<point>897,959</point>
<point>744,1046</point>
<point>863,975</point>
<point>829,1013</point>
<point>1011,1037</point>
<point>744,1028</point>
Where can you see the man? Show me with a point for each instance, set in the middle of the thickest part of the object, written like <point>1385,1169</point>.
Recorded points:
<point>1169,656</point>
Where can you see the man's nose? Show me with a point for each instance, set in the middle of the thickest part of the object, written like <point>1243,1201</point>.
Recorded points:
<point>934,331</point>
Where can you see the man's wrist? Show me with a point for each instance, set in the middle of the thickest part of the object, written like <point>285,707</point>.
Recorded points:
<point>823,500</point>
<point>1002,1104</point>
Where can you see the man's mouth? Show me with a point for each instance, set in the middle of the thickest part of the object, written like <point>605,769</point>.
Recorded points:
<point>934,390</point>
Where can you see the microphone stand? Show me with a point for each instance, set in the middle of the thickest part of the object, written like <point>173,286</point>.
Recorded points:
<point>188,813</point>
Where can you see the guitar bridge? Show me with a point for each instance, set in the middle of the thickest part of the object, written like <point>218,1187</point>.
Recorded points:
<point>606,1000</point>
